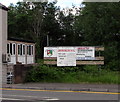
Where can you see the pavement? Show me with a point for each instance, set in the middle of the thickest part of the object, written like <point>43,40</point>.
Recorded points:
<point>66,87</point>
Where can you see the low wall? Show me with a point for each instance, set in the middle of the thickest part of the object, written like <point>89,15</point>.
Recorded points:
<point>20,71</point>
<point>4,74</point>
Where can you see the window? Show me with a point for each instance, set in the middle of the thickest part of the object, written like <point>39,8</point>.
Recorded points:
<point>11,48</point>
<point>8,48</point>
<point>32,50</point>
<point>14,49</point>
<point>23,49</point>
<point>29,50</point>
<point>20,49</point>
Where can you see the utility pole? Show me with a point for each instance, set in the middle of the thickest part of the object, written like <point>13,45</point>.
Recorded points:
<point>47,40</point>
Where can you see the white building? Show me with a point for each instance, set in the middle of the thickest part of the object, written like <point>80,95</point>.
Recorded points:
<point>20,51</point>
<point>12,51</point>
<point>3,41</point>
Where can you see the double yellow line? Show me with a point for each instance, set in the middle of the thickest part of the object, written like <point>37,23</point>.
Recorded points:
<point>60,91</point>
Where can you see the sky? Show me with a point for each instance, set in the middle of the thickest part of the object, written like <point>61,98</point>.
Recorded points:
<point>61,3</point>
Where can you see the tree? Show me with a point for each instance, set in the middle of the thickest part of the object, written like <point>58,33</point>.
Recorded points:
<point>51,25</point>
<point>99,24</point>
<point>66,21</point>
<point>34,21</point>
<point>18,21</point>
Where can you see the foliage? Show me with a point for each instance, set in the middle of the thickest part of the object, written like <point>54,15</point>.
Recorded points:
<point>44,74</point>
<point>98,24</point>
<point>95,24</point>
<point>90,74</point>
<point>19,21</point>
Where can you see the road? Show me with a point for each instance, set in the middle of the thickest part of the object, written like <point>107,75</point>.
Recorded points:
<point>28,95</point>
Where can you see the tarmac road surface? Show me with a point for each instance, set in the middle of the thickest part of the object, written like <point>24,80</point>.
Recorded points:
<point>35,95</point>
<point>64,101</point>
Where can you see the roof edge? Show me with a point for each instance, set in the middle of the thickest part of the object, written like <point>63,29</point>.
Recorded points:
<point>3,7</point>
<point>20,40</point>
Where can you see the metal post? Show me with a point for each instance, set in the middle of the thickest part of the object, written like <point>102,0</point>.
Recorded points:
<point>47,40</point>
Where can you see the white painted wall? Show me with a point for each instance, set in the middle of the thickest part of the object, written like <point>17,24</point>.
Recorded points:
<point>3,42</point>
<point>30,59</point>
<point>13,59</point>
<point>0,53</point>
<point>21,59</point>
<point>0,38</point>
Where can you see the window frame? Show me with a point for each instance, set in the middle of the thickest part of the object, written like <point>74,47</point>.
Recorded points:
<point>13,49</point>
<point>27,49</point>
<point>8,48</point>
<point>21,49</point>
<point>32,50</point>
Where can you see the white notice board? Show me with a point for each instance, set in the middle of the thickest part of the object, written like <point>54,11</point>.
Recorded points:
<point>66,56</point>
<point>85,53</point>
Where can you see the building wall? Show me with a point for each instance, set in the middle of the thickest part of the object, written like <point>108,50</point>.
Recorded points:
<point>4,31</point>
<point>0,53</point>
<point>3,42</point>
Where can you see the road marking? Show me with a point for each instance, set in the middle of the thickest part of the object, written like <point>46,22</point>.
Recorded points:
<point>52,99</point>
<point>5,95</point>
<point>59,91</point>
<point>33,97</point>
<point>10,99</point>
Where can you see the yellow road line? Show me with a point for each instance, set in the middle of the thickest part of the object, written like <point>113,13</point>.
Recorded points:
<point>59,91</point>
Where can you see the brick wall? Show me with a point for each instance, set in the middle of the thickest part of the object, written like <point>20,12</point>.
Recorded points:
<point>20,72</point>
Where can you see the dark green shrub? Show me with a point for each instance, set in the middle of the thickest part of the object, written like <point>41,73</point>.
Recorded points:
<point>90,74</point>
<point>114,65</point>
<point>92,69</point>
<point>44,73</point>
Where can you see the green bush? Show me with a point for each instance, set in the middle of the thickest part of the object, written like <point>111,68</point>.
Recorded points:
<point>89,74</point>
<point>114,65</point>
<point>44,73</point>
<point>91,69</point>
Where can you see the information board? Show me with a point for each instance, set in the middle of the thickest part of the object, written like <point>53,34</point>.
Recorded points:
<point>85,53</point>
<point>66,56</point>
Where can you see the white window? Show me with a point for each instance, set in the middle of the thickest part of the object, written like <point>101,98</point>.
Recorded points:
<point>11,48</point>
<point>23,49</point>
<point>29,49</point>
<point>14,48</point>
<point>8,48</point>
<point>32,49</point>
<point>20,49</point>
